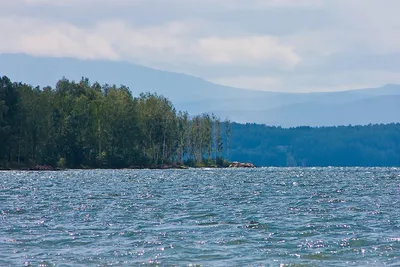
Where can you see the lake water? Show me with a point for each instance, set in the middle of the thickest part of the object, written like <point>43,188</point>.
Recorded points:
<point>200,217</point>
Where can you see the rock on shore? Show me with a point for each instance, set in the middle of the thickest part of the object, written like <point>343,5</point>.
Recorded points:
<point>236,164</point>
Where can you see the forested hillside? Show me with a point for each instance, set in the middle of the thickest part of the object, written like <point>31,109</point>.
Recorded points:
<point>84,125</point>
<point>371,145</point>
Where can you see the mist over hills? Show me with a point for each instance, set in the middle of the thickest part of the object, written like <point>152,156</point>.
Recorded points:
<point>196,95</point>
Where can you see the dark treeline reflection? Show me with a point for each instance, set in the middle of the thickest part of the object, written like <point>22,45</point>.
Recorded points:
<point>83,124</point>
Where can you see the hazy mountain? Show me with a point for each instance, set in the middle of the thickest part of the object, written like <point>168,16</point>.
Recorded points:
<point>196,95</point>
<point>379,109</point>
<point>178,87</point>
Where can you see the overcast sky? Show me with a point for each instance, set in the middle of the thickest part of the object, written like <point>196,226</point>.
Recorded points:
<point>279,45</point>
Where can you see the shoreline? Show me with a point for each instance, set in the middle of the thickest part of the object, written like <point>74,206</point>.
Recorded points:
<point>231,165</point>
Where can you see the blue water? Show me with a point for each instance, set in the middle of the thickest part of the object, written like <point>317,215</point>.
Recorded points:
<point>225,217</point>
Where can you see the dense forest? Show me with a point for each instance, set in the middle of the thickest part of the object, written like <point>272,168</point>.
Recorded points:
<point>370,145</point>
<point>88,125</point>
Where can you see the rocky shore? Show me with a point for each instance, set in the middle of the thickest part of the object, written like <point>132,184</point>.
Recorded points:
<point>234,164</point>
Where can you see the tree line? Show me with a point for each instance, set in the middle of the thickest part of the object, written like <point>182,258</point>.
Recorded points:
<point>88,125</point>
<point>351,145</point>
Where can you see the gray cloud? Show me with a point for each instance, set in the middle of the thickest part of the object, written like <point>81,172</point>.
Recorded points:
<point>282,45</point>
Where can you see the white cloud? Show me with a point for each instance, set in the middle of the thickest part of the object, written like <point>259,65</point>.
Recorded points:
<point>339,81</point>
<point>248,50</point>
<point>263,83</point>
<point>287,3</point>
<point>48,2</point>
<point>79,3</point>
<point>151,45</point>
<point>253,44</point>
<point>223,3</point>
<point>42,38</point>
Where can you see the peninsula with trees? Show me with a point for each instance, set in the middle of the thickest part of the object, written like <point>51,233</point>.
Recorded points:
<point>88,125</point>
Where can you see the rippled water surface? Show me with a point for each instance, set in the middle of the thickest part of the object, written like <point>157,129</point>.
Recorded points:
<point>199,217</point>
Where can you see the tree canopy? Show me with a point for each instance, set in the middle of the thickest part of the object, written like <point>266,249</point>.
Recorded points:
<point>88,125</point>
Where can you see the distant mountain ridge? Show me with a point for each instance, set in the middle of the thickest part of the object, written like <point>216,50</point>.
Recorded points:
<point>196,95</point>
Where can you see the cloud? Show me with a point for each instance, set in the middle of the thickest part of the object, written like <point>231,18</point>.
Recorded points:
<point>284,3</point>
<point>339,80</point>
<point>41,38</point>
<point>151,45</point>
<point>255,4</point>
<point>247,50</point>
<point>263,83</point>
<point>291,45</point>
